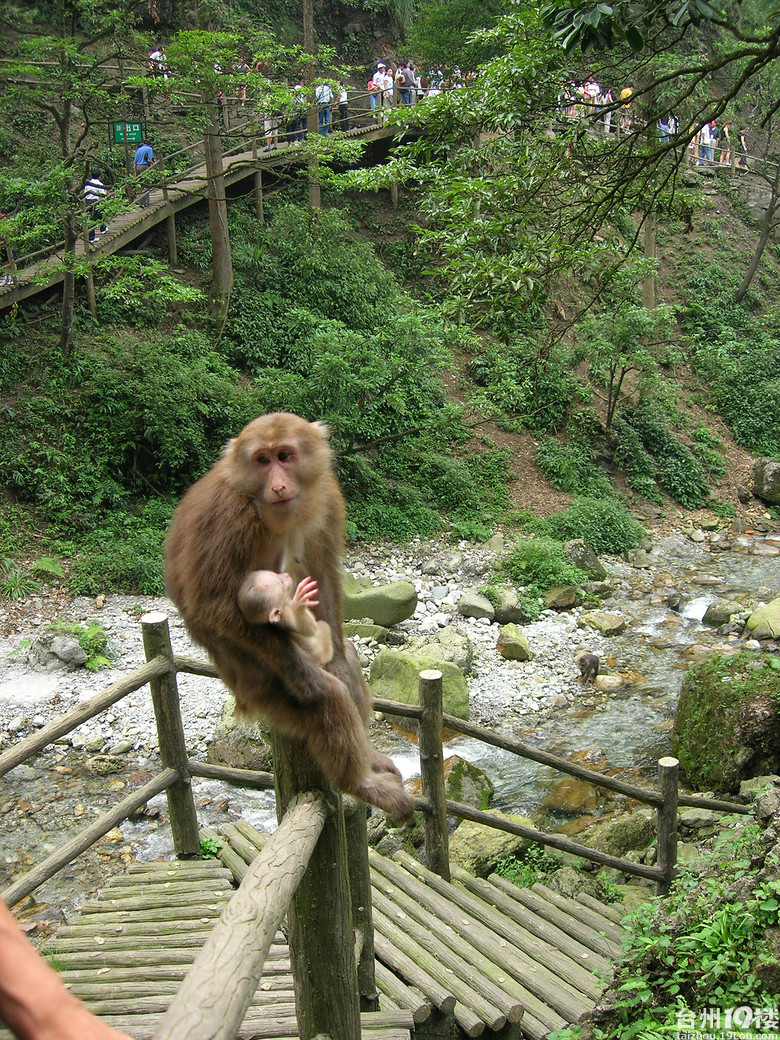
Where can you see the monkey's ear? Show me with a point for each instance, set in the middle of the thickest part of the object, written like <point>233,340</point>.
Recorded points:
<point>274,615</point>
<point>227,448</point>
<point>322,429</point>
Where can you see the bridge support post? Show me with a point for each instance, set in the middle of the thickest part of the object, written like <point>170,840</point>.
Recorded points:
<point>170,733</point>
<point>322,948</point>
<point>173,252</point>
<point>259,196</point>
<point>437,842</point>
<point>89,279</point>
<point>362,908</point>
<point>394,193</point>
<point>666,822</point>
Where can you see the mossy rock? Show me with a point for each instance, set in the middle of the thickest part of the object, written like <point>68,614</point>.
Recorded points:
<point>385,605</point>
<point>727,723</point>
<point>395,676</point>
<point>478,848</point>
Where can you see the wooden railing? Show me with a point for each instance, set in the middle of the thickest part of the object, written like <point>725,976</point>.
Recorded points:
<point>331,939</point>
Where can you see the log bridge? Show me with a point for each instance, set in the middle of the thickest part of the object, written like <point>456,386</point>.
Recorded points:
<point>324,939</point>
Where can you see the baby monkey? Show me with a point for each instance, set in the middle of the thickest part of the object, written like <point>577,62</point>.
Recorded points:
<point>265,597</point>
<point>588,665</point>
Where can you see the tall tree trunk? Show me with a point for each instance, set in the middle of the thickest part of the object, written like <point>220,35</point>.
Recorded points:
<point>221,260</point>
<point>315,195</point>
<point>767,223</point>
<point>648,287</point>
<point>68,284</point>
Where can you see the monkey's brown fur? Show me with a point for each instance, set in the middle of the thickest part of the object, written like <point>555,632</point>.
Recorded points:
<point>588,665</point>
<point>272,502</point>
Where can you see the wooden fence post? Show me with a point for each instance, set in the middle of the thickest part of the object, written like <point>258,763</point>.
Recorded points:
<point>437,844</point>
<point>173,252</point>
<point>666,822</point>
<point>259,196</point>
<point>170,733</point>
<point>362,906</point>
<point>322,950</point>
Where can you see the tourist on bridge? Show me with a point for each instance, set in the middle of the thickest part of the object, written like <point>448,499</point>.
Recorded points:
<point>94,194</point>
<point>343,123</point>
<point>158,63</point>
<point>143,160</point>
<point>323,95</point>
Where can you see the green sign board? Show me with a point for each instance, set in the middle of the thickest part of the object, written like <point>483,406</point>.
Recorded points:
<point>130,132</point>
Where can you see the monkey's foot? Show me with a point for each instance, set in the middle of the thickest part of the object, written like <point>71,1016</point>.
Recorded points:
<point>385,791</point>
<point>382,764</point>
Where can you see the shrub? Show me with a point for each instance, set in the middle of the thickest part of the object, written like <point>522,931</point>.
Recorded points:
<point>541,563</point>
<point>572,467</point>
<point>604,523</point>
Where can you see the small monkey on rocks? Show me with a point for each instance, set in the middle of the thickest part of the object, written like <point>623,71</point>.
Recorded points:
<point>588,665</point>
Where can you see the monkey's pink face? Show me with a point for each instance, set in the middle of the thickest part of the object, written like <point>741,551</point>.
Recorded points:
<point>276,468</point>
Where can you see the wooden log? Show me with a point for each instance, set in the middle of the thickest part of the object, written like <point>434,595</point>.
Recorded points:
<point>236,864</point>
<point>240,777</point>
<point>441,996</point>
<point>170,227</point>
<point>84,839</point>
<point>170,734</point>
<point>35,743</point>
<point>468,812</point>
<point>546,977</point>
<point>666,823</point>
<point>320,914</point>
<point>581,912</point>
<point>609,910</point>
<point>520,970</point>
<point>437,842</point>
<point>393,989</point>
<point>583,933</point>
<point>499,986</point>
<point>496,895</point>
<point>212,1004</point>
<point>484,996</point>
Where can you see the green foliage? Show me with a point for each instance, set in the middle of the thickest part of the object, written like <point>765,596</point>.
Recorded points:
<point>16,582</point>
<point>533,865</point>
<point>538,563</point>
<point>124,553</point>
<point>652,453</point>
<point>210,848</point>
<point>531,384</point>
<point>738,354</point>
<point>572,467</point>
<point>604,523</point>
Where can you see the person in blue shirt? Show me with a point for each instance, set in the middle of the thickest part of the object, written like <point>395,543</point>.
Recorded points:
<point>142,161</point>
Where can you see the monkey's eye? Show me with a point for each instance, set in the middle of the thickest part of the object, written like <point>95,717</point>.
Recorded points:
<point>262,459</point>
<point>285,456</point>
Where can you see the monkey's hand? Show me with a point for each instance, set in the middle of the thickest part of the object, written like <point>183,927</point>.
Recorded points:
<point>307,592</point>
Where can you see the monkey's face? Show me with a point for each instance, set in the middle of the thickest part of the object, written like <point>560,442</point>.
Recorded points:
<point>277,461</point>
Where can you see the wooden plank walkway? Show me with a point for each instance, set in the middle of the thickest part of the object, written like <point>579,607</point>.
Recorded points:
<point>516,963</point>
<point>189,189</point>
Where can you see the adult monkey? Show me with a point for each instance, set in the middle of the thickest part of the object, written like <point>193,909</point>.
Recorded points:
<point>272,502</point>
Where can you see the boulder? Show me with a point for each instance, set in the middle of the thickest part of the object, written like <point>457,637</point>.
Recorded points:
<point>570,794</point>
<point>569,882</point>
<point>384,604</point>
<point>562,597</point>
<point>477,848</point>
<point>620,834</point>
<point>447,645</point>
<point>579,553</point>
<point>238,744</point>
<point>764,623</point>
<point>473,604</point>
<point>395,676</point>
<point>609,683</point>
<point>465,782</point>
<point>508,608</point>
<point>56,651</point>
<point>604,621</point>
<point>766,480</point>
<point>727,722</point>
<point>719,612</point>
<point>512,644</point>
<point>363,630</point>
